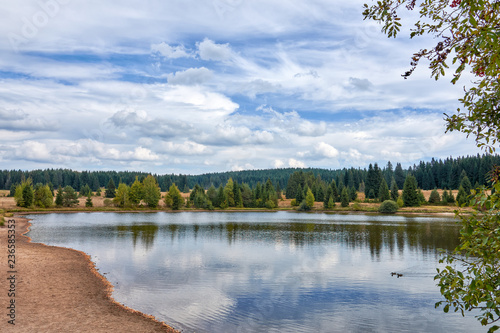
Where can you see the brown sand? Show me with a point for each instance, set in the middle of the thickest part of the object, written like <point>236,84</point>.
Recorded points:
<point>59,290</point>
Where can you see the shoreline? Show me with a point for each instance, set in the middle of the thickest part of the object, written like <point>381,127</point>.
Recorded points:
<point>59,289</point>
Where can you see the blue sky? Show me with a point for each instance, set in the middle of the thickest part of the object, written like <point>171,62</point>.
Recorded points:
<point>205,86</point>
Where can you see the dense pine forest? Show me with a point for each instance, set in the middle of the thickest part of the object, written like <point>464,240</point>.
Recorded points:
<point>444,174</point>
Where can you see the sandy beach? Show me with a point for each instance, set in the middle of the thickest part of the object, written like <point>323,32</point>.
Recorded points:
<point>59,290</point>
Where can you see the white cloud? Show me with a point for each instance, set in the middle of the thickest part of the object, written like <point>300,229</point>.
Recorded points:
<point>326,150</point>
<point>293,163</point>
<point>170,52</point>
<point>278,164</point>
<point>209,50</point>
<point>185,148</point>
<point>33,151</point>
<point>191,76</point>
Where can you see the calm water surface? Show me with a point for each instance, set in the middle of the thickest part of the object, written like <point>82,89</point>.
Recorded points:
<point>268,272</point>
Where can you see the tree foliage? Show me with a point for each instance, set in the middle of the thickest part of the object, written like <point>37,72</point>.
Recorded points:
<point>43,197</point>
<point>174,199</point>
<point>151,191</point>
<point>410,194</point>
<point>388,207</point>
<point>471,279</point>
<point>110,189</point>
<point>24,194</point>
<point>69,197</point>
<point>121,198</point>
<point>468,32</point>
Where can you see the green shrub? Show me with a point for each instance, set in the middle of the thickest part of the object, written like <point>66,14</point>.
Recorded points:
<point>388,207</point>
<point>356,206</point>
<point>304,206</point>
<point>400,202</point>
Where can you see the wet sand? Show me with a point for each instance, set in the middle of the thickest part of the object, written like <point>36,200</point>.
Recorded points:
<point>59,290</point>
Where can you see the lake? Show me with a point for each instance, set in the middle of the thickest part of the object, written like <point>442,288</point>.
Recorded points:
<point>268,271</point>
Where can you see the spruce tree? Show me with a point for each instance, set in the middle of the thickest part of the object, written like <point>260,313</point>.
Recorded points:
<point>59,197</point>
<point>334,190</point>
<point>353,194</point>
<point>383,192</point>
<point>110,189</point>
<point>394,190</point>
<point>434,198</point>
<point>344,197</point>
<point>410,195</point>
<point>299,195</point>
<point>88,202</point>
<point>399,175</point>
<point>461,196</point>
<point>212,195</point>
<point>28,195</point>
<point>69,197</point>
<point>330,204</point>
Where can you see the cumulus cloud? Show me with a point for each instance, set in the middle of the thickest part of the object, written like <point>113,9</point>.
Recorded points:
<point>228,135</point>
<point>209,50</point>
<point>169,52</point>
<point>360,84</point>
<point>191,76</point>
<point>185,148</point>
<point>293,163</point>
<point>146,126</point>
<point>326,150</point>
<point>34,151</point>
<point>19,120</point>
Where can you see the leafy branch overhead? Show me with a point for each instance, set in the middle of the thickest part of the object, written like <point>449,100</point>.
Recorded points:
<point>467,34</point>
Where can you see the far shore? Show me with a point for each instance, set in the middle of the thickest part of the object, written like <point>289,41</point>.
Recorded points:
<point>100,204</point>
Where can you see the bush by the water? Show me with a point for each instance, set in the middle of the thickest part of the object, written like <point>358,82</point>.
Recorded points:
<point>388,206</point>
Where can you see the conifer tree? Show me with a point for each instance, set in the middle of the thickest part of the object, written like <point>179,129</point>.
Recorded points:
<point>394,190</point>
<point>461,196</point>
<point>330,204</point>
<point>221,198</point>
<point>59,197</point>
<point>69,197</point>
<point>110,189</point>
<point>383,192</point>
<point>353,194</point>
<point>88,202</point>
<point>434,198</point>
<point>212,195</point>
<point>410,195</point>
<point>344,197</point>
<point>299,195</point>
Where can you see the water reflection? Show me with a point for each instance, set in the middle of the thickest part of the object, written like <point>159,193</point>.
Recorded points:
<point>421,237</point>
<point>268,272</point>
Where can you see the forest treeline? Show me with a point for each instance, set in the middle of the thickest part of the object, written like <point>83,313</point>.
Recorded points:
<point>443,174</point>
